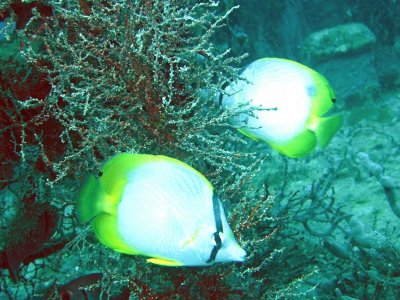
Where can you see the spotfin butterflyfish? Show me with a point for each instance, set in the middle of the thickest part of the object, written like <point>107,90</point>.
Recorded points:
<point>290,103</point>
<point>159,207</point>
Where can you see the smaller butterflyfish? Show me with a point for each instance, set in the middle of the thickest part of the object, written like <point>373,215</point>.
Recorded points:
<point>158,207</point>
<point>290,103</point>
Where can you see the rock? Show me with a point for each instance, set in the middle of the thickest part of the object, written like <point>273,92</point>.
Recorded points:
<point>387,62</point>
<point>338,41</point>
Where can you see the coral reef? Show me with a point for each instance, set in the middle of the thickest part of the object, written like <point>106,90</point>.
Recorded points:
<point>83,80</point>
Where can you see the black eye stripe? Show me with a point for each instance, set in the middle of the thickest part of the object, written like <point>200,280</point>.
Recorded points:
<point>218,226</point>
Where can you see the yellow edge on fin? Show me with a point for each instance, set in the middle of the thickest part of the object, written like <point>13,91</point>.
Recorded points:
<point>116,170</point>
<point>106,229</point>
<point>114,173</point>
<point>164,262</point>
<point>299,146</point>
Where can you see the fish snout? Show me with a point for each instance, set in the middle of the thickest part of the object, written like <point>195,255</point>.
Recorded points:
<point>238,254</point>
<point>234,252</point>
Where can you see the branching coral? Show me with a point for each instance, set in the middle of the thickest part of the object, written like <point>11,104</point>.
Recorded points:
<point>101,78</point>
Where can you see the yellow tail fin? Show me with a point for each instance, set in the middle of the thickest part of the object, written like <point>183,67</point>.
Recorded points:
<point>96,206</point>
<point>326,129</point>
<point>90,199</point>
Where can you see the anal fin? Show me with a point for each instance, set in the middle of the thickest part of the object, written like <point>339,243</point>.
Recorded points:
<point>164,262</point>
<point>299,146</point>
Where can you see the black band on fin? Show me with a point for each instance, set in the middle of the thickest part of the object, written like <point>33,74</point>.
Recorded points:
<point>218,226</point>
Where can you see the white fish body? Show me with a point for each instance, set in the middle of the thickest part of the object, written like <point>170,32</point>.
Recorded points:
<point>290,100</point>
<point>166,210</point>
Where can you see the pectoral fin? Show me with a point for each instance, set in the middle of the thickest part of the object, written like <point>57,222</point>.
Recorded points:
<point>247,134</point>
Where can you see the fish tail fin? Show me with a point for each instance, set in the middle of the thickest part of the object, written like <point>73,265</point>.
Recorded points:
<point>90,199</point>
<point>96,206</point>
<point>326,129</point>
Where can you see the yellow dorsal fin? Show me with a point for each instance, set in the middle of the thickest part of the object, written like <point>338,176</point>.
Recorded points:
<point>115,171</point>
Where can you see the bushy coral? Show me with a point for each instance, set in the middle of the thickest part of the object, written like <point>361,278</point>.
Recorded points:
<point>96,79</point>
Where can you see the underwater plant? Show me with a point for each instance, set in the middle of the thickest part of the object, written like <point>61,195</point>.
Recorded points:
<point>84,81</point>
